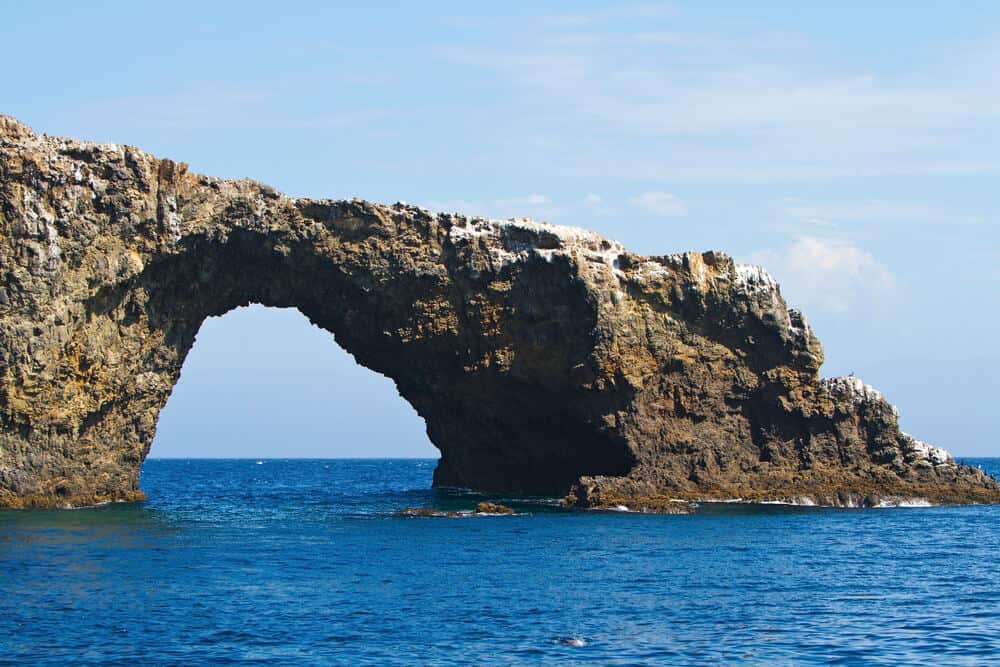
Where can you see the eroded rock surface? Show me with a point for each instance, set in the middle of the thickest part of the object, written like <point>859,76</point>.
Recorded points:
<point>544,359</point>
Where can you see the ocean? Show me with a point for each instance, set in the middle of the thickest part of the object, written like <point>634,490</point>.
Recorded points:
<point>304,562</point>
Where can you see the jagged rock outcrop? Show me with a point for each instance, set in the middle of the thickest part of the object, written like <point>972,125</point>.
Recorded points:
<point>544,359</point>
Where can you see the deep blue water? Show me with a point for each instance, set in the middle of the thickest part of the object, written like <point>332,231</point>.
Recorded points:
<point>304,562</point>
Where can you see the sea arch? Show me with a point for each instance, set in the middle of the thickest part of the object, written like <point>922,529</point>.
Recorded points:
<point>481,348</point>
<point>543,359</point>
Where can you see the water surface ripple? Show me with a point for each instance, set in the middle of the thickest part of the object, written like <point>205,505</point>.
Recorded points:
<point>304,562</point>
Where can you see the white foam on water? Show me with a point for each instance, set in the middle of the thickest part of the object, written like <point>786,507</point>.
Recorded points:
<point>903,502</point>
<point>801,501</point>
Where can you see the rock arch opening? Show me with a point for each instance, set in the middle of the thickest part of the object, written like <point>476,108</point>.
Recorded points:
<point>265,383</point>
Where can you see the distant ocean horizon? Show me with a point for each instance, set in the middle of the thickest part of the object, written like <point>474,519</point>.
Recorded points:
<point>308,561</point>
<point>291,458</point>
<point>961,460</point>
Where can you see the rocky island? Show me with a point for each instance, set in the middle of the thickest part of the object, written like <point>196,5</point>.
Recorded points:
<point>544,359</point>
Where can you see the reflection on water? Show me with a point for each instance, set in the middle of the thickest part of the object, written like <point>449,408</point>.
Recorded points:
<point>305,562</point>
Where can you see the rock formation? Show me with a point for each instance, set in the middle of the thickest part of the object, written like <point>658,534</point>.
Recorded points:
<point>544,359</point>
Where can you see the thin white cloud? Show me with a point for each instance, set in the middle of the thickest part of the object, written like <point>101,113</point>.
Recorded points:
<point>738,166</point>
<point>826,214</point>
<point>826,273</point>
<point>198,107</point>
<point>684,104</point>
<point>615,11</point>
<point>592,199</point>
<point>562,21</point>
<point>662,204</point>
<point>455,206</point>
<point>526,200</point>
<point>221,106</point>
<point>763,100</point>
<point>531,205</point>
<point>819,222</point>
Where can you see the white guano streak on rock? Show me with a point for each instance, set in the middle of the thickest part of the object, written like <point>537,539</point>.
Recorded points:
<point>752,280</point>
<point>651,270</point>
<point>53,246</point>
<point>586,245</point>
<point>174,218</point>
<point>926,452</point>
<point>859,392</point>
<point>796,314</point>
<point>864,394</point>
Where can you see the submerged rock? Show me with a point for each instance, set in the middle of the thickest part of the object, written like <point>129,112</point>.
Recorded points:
<point>544,359</point>
<point>493,508</point>
<point>427,512</point>
<point>640,504</point>
<point>481,508</point>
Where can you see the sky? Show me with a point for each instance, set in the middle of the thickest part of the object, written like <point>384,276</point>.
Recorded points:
<point>851,149</point>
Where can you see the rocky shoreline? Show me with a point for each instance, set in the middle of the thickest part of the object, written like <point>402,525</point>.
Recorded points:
<point>544,359</point>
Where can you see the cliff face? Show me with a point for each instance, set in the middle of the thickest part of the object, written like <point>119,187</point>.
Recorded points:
<point>544,359</point>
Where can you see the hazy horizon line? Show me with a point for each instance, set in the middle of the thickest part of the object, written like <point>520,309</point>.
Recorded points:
<point>291,458</point>
<point>957,457</point>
